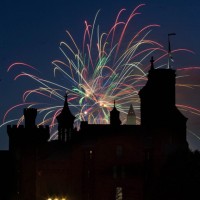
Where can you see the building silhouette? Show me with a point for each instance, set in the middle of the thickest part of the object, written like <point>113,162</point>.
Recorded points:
<point>131,117</point>
<point>110,161</point>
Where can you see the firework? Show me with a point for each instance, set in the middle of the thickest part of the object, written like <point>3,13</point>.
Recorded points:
<point>107,66</point>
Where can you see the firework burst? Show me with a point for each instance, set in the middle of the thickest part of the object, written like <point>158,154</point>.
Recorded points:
<point>107,66</point>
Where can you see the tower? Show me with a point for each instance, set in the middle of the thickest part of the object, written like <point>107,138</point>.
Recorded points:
<point>29,135</point>
<point>159,114</point>
<point>65,123</point>
<point>114,117</point>
<point>131,118</point>
<point>24,143</point>
<point>29,117</point>
<point>158,98</point>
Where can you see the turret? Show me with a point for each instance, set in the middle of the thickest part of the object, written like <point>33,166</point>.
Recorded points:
<point>65,123</point>
<point>25,143</point>
<point>29,134</point>
<point>131,117</point>
<point>29,117</point>
<point>114,117</point>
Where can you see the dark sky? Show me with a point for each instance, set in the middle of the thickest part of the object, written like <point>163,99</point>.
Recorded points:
<point>31,31</point>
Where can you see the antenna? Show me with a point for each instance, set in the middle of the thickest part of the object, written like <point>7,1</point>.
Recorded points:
<point>169,50</point>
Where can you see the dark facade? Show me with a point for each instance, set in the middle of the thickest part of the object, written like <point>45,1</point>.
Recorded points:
<point>98,162</point>
<point>7,175</point>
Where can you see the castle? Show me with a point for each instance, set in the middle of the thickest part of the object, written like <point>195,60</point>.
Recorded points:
<point>100,162</point>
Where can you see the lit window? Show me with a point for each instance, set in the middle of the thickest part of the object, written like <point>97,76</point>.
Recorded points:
<point>91,154</point>
<point>56,198</point>
<point>119,194</point>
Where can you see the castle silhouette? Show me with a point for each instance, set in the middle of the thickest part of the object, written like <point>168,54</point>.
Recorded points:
<point>99,162</point>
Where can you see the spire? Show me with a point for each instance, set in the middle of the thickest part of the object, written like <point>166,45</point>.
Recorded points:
<point>114,108</point>
<point>66,100</point>
<point>169,50</point>
<point>131,117</point>
<point>152,63</point>
<point>65,121</point>
<point>131,110</point>
<point>66,117</point>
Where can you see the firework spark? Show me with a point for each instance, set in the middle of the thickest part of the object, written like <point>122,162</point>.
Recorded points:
<point>107,66</point>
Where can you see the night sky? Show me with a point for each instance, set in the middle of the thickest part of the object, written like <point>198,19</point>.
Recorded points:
<point>32,30</point>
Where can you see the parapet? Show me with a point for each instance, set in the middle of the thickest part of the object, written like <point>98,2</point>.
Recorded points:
<point>23,133</point>
<point>29,133</point>
<point>30,111</point>
<point>40,127</point>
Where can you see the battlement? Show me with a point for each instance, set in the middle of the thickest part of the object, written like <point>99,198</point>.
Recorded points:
<point>30,111</point>
<point>30,115</point>
<point>15,127</point>
<point>22,135</point>
<point>29,133</point>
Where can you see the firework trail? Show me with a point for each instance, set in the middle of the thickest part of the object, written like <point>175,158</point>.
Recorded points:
<point>107,66</point>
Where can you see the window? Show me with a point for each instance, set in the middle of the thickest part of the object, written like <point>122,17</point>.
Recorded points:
<point>119,151</point>
<point>119,171</point>
<point>90,154</point>
<point>115,171</point>
<point>119,194</point>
